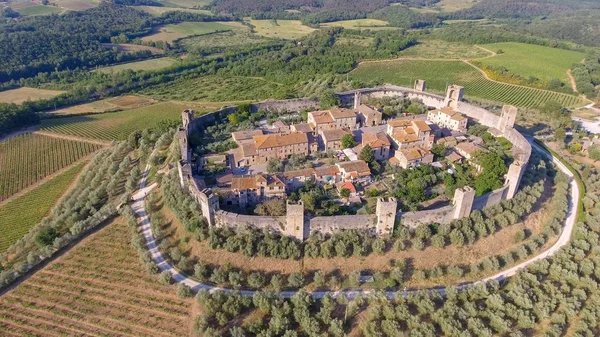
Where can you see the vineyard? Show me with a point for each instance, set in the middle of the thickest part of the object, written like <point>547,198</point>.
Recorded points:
<point>19,215</point>
<point>97,289</point>
<point>440,74</point>
<point>29,158</point>
<point>116,125</point>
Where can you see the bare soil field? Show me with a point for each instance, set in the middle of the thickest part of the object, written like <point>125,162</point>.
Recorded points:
<point>129,48</point>
<point>21,95</point>
<point>97,288</point>
<point>110,104</point>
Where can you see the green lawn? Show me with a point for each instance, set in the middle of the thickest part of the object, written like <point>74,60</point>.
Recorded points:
<point>356,24</point>
<point>232,38</point>
<point>152,64</point>
<point>19,215</point>
<point>528,60</point>
<point>438,49</point>
<point>170,33</point>
<point>440,74</point>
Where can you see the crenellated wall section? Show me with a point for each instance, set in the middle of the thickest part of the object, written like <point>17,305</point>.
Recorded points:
<point>297,225</point>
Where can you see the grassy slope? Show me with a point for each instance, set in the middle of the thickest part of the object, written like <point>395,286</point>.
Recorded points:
<point>118,125</point>
<point>440,74</point>
<point>282,29</point>
<point>20,95</point>
<point>527,60</point>
<point>174,32</point>
<point>152,64</point>
<point>39,10</point>
<point>22,213</point>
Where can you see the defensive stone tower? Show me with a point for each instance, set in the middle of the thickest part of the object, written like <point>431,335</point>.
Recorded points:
<point>508,117</point>
<point>463,202</point>
<point>184,148</point>
<point>294,225</point>
<point>186,117</point>
<point>209,203</point>
<point>386,216</point>
<point>185,173</point>
<point>513,177</point>
<point>357,99</point>
<point>454,94</point>
<point>420,85</point>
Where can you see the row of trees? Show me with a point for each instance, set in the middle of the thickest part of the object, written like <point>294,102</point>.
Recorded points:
<point>91,202</point>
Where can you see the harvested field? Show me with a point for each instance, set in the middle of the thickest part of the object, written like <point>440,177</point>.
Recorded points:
<point>155,10</point>
<point>110,104</point>
<point>39,10</point>
<point>281,29</point>
<point>97,288</point>
<point>170,33</point>
<point>357,24</point>
<point>127,47</point>
<point>17,216</point>
<point>145,65</point>
<point>21,95</point>
<point>76,5</point>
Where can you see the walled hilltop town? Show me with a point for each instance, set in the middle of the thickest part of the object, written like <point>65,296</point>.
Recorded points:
<point>405,142</point>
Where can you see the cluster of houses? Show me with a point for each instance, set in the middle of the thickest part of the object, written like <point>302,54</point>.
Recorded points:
<point>404,142</point>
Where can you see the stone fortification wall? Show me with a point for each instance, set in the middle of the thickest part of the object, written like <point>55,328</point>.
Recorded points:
<point>490,199</point>
<point>271,223</point>
<point>328,225</point>
<point>442,215</point>
<point>332,224</point>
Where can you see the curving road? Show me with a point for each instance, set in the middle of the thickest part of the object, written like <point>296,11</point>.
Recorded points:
<point>140,211</point>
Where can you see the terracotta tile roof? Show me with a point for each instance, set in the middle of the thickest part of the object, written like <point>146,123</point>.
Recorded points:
<point>399,123</point>
<point>248,149</point>
<point>394,161</point>
<point>469,148</point>
<point>421,125</point>
<point>414,153</point>
<point>303,127</point>
<point>458,117</point>
<point>274,180</point>
<point>367,110</point>
<point>376,140</point>
<point>339,113</point>
<point>245,135</point>
<point>243,183</point>
<point>334,134</point>
<point>453,157</point>
<point>326,171</point>
<point>322,117</point>
<point>279,124</point>
<point>347,185</point>
<point>355,168</point>
<point>280,139</point>
<point>405,136</point>
<point>299,173</point>
<point>448,111</point>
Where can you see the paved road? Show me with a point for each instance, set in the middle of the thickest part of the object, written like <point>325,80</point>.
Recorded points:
<point>144,222</point>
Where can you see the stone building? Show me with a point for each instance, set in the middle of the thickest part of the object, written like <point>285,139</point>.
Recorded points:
<point>331,140</point>
<point>379,143</point>
<point>448,118</point>
<point>335,118</point>
<point>253,189</point>
<point>408,134</point>
<point>412,157</point>
<point>368,116</point>
<point>356,171</point>
<point>277,146</point>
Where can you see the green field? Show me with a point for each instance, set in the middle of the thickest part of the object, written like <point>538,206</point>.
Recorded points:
<point>528,60</point>
<point>146,65</point>
<point>282,29</point>
<point>19,215</point>
<point>117,125</point>
<point>440,74</point>
<point>233,38</point>
<point>29,158</point>
<point>214,89</point>
<point>438,49</point>
<point>39,10</point>
<point>170,33</point>
<point>356,24</point>
<point>154,10</point>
